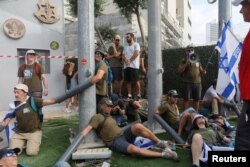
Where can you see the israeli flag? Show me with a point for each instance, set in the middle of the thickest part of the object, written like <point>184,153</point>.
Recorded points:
<point>229,48</point>
<point>10,128</point>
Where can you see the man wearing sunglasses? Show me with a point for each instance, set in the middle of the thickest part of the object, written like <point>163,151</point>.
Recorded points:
<point>8,157</point>
<point>115,61</point>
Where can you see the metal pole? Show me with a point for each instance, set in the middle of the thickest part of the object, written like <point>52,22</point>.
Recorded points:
<point>225,13</point>
<point>154,60</point>
<point>87,100</point>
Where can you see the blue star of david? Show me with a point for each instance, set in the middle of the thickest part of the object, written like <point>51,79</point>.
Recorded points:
<point>223,63</point>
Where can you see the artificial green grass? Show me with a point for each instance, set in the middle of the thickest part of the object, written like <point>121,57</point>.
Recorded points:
<point>56,140</point>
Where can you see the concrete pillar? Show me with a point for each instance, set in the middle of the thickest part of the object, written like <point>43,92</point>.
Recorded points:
<point>87,102</point>
<point>154,58</point>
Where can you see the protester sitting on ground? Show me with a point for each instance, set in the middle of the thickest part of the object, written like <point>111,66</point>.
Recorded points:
<point>8,157</point>
<point>121,140</point>
<point>170,113</point>
<point>28,120</point>
<point>118,111</point>
<point>216,103</point>
<point>137,110</point>
<point>224,126</point>
<point>202,139</point>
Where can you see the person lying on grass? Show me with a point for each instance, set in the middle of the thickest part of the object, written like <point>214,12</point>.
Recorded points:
<point>203,139</point>
<point>121,140</point>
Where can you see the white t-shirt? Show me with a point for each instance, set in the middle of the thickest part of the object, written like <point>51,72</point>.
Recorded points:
<point>210,94</point>
<point>129,51</point>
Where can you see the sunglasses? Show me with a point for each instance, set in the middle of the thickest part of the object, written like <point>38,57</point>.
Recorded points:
<point>10,154</point>
<point>117,39</point>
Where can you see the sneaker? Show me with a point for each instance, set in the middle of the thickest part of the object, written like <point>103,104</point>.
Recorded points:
<point>138,96</point>
<point>161,144</point>
<point>169,154</point>
<point>67,110</point>
<point>129,96</point>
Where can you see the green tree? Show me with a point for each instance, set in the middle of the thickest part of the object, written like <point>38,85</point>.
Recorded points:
<point>129,7</point>
<point>106,33</point>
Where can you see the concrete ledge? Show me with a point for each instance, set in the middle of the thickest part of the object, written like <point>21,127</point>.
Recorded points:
<point>94,153</point>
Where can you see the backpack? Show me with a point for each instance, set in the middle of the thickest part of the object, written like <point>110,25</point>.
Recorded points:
<point>36,108</point>
<point>37,69</point>
<point>110,74</point>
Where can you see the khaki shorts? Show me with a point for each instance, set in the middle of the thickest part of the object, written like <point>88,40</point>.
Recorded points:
<point>31,141</point>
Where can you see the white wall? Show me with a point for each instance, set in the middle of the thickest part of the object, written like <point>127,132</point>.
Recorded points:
<point>37,36</point>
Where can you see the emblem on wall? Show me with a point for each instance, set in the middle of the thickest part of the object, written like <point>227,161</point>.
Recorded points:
<point>54,45</point>
<point>14,28</point>
<point>46,12</point>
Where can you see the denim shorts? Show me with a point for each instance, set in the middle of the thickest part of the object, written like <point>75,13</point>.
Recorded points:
<point>121,143</point>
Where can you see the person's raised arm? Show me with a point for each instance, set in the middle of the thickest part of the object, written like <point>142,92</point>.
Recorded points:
<point>86,130</point>
<point>96,78</point>
<point>49,101</point>
<point>45,84</point>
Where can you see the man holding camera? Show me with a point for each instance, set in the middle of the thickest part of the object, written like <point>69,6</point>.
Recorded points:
<point>191,71</point>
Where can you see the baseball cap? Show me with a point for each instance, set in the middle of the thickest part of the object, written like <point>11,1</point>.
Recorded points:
<point>100,52</point>
<point>106,101</point>
<point>5,151</point>
<point>117,37</point>
<point>31,52</point>
<point>238,2</point>
<point>172,93</point>
<point>22,87</point>
<point>195,117</point>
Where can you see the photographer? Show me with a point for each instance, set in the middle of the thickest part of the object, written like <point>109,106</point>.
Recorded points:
<point>191,71</point>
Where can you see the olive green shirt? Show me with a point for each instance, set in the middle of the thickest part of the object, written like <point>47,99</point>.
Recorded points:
<point>209,135</point>
<point>192,73</point>
<point>27,119</point>
<point>107,129</point>
<point>169,112</point>
<point>31,78</point>
<point>114,61</point>
<point>101,86</point>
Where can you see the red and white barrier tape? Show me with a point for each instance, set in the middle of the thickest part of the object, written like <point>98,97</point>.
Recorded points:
<point>43,57</point>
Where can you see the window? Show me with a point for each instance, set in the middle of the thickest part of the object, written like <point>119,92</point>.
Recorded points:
<point>43,60</point>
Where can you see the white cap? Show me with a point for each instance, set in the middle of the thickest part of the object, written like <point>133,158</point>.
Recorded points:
<point>197,116</point>
<point>22,87</point>
<point>31,52</point>
<point>117,37</point>
<point>238,2</point>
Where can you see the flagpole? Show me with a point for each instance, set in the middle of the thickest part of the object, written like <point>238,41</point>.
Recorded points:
<point>229,29</point>
<point>209,60</point>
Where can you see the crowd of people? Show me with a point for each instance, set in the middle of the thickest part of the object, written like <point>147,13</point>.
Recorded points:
<point>115,111</point>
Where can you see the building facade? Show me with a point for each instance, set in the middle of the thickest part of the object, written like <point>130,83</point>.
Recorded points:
<point>212,32</point>
<point>37,25</point>
<point>175,26</point>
